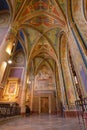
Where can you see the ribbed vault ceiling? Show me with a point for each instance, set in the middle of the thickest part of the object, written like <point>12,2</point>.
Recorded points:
<point>39,23</point>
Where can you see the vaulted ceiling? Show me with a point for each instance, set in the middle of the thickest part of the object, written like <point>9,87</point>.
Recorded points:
<point>38,24</point>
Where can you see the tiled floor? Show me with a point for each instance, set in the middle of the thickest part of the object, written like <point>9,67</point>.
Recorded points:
<point>43,122</point>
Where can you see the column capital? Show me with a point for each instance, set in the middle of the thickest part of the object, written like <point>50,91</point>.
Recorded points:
<point>14,28</point>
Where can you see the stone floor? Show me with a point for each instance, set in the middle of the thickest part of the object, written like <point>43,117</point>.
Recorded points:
<point>41,122</point>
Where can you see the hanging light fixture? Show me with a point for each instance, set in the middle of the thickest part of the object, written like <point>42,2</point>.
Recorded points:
<point>10,61</point>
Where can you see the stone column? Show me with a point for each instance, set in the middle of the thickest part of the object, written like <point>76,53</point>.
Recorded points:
<point>39,104</point>
<point>7,43</point>
<point>49,104</point>
<point>32,93</point>
<point>23,94</point>
<point>61,85</point>
<point>6,48</point>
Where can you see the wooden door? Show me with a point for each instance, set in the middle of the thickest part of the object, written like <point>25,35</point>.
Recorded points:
<point>44,105</point>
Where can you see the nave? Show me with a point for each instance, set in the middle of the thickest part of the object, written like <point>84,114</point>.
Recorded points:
<point>43,64</point>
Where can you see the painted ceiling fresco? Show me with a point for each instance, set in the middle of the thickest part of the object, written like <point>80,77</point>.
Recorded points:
<point>41,21</point>
<point>43,49</point>
<point>53,36</point>
<point>31,36</point>
<point>39,7</point>
<point>4,21</point>
<point>18,4</point>
<point>4,13</point>
<point>63,5</point>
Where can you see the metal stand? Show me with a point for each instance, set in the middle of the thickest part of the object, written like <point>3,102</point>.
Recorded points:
<point>81,106</point>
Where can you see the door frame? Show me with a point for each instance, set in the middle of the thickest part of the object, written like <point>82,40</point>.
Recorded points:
<point>49,103</point>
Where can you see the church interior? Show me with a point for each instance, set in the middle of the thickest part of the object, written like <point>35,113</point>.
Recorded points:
<point>43,56</point>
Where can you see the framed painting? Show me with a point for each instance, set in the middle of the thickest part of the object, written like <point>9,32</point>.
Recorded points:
<point>12,88</point>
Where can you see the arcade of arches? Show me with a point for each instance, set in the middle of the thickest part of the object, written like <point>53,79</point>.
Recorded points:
<point>43,53</point>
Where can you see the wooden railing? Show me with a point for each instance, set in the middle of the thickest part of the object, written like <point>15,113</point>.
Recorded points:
<point>81,106</point>
<point>9,109</point>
